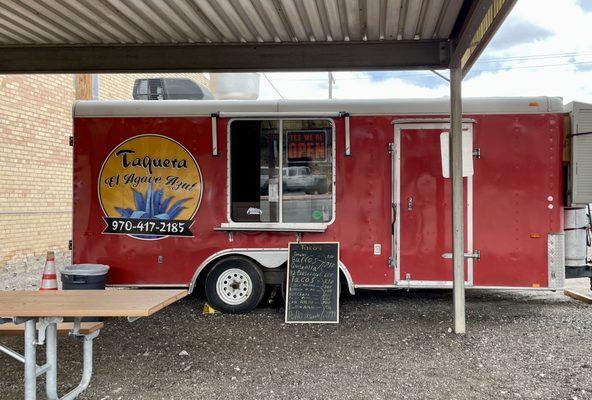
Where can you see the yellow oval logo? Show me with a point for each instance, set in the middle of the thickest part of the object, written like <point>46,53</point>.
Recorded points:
<point>150,187</point>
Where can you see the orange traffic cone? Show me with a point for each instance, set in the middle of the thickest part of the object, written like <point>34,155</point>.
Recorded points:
<point>49,279</point>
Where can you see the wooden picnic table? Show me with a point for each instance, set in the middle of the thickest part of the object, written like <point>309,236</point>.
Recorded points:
<point>87,303</point>
<point>42,311</point>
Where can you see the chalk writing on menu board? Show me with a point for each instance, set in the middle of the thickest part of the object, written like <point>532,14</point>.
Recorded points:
<point>313,283</point>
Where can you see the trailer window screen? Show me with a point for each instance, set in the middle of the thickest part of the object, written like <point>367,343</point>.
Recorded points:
<point>302,192</point>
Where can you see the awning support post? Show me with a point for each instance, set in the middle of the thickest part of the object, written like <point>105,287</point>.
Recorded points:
<point>456,175</point>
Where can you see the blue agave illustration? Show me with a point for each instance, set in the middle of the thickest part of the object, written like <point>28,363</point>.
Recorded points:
<point>153,204</point>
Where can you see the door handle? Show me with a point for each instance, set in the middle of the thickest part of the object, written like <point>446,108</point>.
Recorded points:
<point>475,255</point>
<point>409,203</point>
<point>394,218</point>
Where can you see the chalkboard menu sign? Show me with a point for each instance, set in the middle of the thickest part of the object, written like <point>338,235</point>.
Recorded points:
<point>312,294</point>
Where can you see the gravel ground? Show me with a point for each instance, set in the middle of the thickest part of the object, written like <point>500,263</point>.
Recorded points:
<point>27,275</point>
<point>397,344</point>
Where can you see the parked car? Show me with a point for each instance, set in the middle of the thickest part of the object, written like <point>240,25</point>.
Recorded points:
<point>170,89</point>
<point>296,179</point>
<point>301,179</point>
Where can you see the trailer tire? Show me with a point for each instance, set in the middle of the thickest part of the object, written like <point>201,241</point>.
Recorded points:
<point>235,285</point>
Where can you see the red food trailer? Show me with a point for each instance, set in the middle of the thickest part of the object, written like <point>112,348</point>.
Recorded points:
<point>191,193</point>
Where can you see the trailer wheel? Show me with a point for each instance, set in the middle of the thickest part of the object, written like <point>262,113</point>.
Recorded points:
<point>235,285</point>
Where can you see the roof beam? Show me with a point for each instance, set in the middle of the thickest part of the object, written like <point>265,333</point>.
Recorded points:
<point>430,54</point>
<point>483,20</point>
<point>469,27</point>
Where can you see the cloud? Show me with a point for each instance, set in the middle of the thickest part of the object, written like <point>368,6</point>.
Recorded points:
<point>294,85</point>
<point>397,85</point>
<point>540,50</point>
<point>515,32</point>
<point>350,85</point>
<point>566,83</point>
<point>419,78</point>
<point>586,5</point>
<point>583,67</point>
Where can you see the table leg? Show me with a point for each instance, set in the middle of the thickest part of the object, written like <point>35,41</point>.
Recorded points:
<point>51,377</point>
<point>30,360</point>
<point>87,360</point>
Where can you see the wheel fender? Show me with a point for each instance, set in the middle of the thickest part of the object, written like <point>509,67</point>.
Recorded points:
<point>350,283</point>
<point>268,258</point>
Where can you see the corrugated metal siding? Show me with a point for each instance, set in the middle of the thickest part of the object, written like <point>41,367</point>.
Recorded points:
<point>581,151</point>
<point>39,22</point>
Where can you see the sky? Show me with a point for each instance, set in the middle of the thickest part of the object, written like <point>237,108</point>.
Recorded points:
<point>544,48</point>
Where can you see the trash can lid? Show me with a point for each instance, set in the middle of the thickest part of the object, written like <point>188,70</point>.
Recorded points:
<point>85,269</point>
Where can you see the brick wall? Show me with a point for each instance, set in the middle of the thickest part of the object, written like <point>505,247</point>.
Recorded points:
<point>35,165</point>
<point>36,161</point>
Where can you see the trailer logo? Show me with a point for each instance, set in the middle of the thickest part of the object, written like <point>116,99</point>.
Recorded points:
<point>150,187</point>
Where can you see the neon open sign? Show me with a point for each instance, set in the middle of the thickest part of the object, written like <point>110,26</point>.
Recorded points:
<point>306,146</point>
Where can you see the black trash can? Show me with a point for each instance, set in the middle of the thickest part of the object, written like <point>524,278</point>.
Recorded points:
<point>84,277</point>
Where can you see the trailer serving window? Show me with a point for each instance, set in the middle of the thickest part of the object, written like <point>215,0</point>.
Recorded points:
<point>281,171</point>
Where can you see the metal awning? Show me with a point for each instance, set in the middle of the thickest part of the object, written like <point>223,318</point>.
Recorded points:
<point>261,35</point>
<point>239,35</point>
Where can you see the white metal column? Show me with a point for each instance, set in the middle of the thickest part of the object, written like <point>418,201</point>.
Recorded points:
<point>456,177</point>
<point>30,359</point>
<point>51,358</point>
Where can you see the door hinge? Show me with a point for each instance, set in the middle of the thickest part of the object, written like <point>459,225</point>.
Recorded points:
<point>69,244</point>
<point>391,148</point>
<point>477,153</point>
<point>391,262</point>
<point>71,140</point>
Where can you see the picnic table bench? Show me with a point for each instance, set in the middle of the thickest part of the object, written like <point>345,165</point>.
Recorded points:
<point>41,313</point>
<point>63,328</point>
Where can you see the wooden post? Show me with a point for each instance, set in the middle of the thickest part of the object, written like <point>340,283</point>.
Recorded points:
<point>83,86</point>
